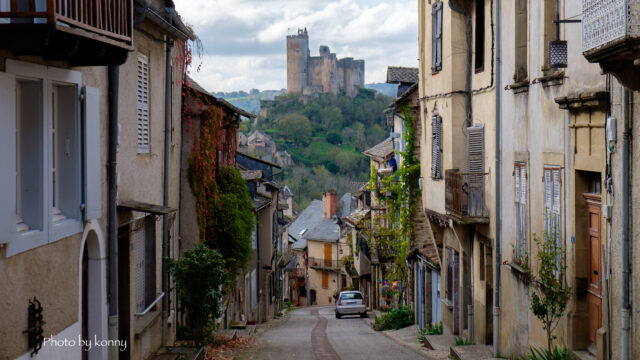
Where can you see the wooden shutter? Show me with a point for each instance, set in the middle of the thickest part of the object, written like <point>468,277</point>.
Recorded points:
<point>325,280</point>
<point>475,168</point>
<point>436,35</point>
<point>92,151</point>
<point>552,202</point>
<point>139,244</point>
<point>7,157</point>
<point>436,147</point>
<point>520,181</point>
<point>143,104</point>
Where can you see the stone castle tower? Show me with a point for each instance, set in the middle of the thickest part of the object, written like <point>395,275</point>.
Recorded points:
<point>309,75</point>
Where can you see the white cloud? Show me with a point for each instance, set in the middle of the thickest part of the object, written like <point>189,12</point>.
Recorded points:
<point>245,39</point>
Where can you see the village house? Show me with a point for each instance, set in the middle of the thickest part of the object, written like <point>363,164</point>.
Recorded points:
<point>457,110</point>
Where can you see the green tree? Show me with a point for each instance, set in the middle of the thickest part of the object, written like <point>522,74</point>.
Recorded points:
<point>550,292</point>
<point>200,278</point>
<point>296,128</point>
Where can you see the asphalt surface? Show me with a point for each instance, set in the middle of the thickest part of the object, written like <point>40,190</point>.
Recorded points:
<point>314,333</point>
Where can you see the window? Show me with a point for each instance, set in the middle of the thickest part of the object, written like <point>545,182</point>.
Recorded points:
<point>521,40</point>
<point>479,36</point>
<point>436,37</point>
<point>520,180</point>
<point>143,104</point>
<point>325,280</point>
<point>145,270</point>
<point>552,205</point>
<point>43,154</point>
<point>254,289</point>
<point>452,263</point>
<point>351,296</point>
<point>436,147</point>
<point>476,169</point>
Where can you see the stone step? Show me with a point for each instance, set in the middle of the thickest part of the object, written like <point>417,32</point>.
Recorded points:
<point>439,342</point>
<point>475,352</point>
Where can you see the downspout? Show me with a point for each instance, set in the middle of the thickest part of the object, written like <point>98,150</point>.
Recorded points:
<point>498,224</point>
<point>168,98</point>
<point>626,308</point>
<point>258,281</point>
<point>113,74</point>
<point>468,121</point>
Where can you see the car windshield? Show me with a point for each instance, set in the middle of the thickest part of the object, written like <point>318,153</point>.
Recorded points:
<point>351,296</point>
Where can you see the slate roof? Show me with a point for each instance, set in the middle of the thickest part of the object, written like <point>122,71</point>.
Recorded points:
<point>346,205</point>
<point>382,150</point>
<point>357,216</point>
<point>326,231</point>
<point>400,74</point>
<point>260,202</point>
<point>308,219</point>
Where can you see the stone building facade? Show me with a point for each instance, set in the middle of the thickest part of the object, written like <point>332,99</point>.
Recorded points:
<point>326,73</point>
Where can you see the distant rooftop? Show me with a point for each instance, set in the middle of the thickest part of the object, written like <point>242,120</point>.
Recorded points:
<point>400,74</point>
<point>382,150</point>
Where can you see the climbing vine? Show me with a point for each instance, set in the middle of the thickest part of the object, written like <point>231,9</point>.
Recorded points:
<point>392,229</point>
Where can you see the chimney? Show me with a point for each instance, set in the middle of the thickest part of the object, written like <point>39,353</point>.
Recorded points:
<point>329,203</point>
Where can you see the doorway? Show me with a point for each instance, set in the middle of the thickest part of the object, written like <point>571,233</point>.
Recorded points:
<point>594,289</point>
<point>93,295</point>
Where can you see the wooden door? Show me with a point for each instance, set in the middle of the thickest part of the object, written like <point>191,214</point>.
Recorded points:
<point>327,255</point>
<point>325,280</point>
<point>594,290</point>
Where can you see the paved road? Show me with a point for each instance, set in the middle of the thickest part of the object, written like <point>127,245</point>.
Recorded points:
<point>315,334</point>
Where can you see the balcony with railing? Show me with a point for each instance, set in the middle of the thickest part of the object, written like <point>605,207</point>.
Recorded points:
<point>83,32</point>
<point>324,264</point>
<point>611,37</point>
<point>464,196</point>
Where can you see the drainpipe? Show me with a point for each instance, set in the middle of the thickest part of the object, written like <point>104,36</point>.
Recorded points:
<point>113,76</point>
<point>498,224</point>
<point>626,308</point>
<point>168,98</point>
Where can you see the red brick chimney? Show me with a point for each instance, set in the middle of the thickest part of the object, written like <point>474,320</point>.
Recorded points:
<point>329,203</point>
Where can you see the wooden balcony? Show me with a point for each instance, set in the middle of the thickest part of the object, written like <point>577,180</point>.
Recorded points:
<point>611,37</point>
<point>464,196</point>
<point>82,32</point>
<point>324,264</point>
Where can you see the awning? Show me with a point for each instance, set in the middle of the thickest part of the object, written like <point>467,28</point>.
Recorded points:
<point>146,207</point>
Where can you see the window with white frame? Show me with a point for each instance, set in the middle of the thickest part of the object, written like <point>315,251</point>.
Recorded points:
<point>552,205</point>
<point>145,266</point>
<point>143,105</point>
<point>520,180</point>
<point>42,153</point>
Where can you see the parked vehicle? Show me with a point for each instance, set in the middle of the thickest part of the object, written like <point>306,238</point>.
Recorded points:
<point>351,303</point>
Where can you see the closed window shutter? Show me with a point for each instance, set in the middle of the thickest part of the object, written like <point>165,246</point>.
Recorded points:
<point>436,35</point>
<point>475,168</point>
<point>552,203</point>
<point>143,104</point>
<point>556,209</point>
<point>520,173</point>
<point>140,268</point>
<point>548,200</point>
<point>7,157</point>
<point>92,163</point>
<point>436,147</point>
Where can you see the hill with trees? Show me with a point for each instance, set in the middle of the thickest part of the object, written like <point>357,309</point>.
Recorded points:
<point>325,135</point>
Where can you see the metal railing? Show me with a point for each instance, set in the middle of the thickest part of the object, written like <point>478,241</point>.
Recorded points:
<point>324,264</point>
<point>464,194</point>
<point>111,18</point>
<point>604,22</point>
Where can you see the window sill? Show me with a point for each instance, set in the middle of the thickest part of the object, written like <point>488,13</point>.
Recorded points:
<point>519,272</point>
<point>447,303</point>
<point>65,228</point>
<point>550,78</point>
<point>142,323</point>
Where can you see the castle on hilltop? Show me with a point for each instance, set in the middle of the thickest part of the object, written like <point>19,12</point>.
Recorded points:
<point>326,73</point>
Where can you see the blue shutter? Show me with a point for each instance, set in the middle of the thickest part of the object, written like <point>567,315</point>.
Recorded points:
<point>92,163</point>
<point>7,157</point>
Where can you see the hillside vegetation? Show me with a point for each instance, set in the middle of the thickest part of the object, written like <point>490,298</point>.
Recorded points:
<point>249,101</point>
<point>325,136</point>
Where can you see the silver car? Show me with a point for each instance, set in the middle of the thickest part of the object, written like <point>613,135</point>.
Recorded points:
<point>351,303</point>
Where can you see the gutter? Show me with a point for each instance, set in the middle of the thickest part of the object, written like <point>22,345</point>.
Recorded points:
<point>626,271</point>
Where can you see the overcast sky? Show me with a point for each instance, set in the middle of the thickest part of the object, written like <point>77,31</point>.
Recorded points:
<point>245,40</point>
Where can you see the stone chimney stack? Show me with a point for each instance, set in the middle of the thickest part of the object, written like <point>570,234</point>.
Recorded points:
<point>329,204</point>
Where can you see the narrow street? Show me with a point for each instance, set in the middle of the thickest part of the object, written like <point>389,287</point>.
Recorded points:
<point>315,333</point>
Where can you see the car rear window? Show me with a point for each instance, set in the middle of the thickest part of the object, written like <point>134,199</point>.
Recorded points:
<point>351,296</point>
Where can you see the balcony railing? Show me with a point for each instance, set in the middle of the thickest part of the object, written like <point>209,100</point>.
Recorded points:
<point>464,194</point>
<point>111,18</point>
<point>324,264</point>
<point>607,22</point>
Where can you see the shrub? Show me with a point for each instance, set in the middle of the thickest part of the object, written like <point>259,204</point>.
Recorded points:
<point>464,341</point>
<point>334,137</point>
<point>395,319</point>
<point>199,278</point>
<point>560,352</point>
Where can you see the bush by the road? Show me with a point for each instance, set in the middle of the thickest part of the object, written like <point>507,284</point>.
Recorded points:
<point>396,318</point>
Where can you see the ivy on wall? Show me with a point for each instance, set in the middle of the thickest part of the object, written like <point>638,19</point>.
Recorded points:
<point>392,230</point>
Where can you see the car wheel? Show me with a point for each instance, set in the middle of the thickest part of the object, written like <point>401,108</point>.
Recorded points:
<point>338,316</point>
<point>363,315</point>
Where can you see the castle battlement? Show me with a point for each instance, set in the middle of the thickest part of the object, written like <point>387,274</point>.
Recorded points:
<point>325,73</point>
